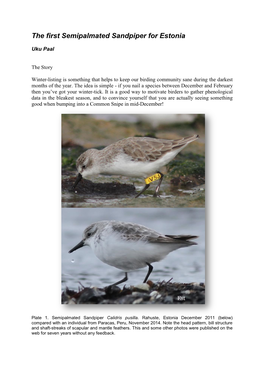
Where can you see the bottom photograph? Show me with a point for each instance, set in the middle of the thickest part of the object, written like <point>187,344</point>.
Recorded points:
<point>133,256</point>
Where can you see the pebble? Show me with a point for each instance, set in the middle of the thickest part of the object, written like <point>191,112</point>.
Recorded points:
<point>143,287</point>
<point>139,300</point>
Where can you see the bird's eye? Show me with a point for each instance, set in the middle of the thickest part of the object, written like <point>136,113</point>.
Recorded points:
<point>83,167</point>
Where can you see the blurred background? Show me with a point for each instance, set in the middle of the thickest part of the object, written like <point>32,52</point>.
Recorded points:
<point>92,130</point>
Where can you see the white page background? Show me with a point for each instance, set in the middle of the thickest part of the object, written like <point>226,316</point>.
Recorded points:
<point>222,39</point>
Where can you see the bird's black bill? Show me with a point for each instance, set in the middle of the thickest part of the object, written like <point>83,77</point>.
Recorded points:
<point>78,179</point>
<point>78,246</point>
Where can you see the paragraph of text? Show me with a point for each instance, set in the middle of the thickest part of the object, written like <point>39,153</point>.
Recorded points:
<point>121,92</point>
<point>110,325</point>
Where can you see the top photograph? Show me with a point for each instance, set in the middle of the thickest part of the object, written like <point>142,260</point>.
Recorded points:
<point>133,160</point>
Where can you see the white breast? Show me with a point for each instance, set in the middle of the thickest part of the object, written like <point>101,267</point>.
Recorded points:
<point>128,255</point>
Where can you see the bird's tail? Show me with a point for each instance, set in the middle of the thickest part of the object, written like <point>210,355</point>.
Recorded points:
<point>184,237</point>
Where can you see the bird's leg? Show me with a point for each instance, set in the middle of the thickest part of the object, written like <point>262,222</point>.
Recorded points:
<point>158,186</point>
<point>149,271</point>
<point>123,280</point>
<point>143,190</point>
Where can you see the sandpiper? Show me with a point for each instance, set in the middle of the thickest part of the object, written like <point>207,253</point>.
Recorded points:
<point>133,156</point>
<point>129,246</point>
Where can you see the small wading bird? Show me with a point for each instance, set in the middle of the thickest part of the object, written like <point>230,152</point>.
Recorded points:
<point>129,246</point>
<point>133,156</point>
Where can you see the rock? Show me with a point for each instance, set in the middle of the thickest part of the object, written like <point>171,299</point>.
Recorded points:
<point>157,293</point>
<point>142,287</point>
<point>91,189</point>
<point>91,295</point>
